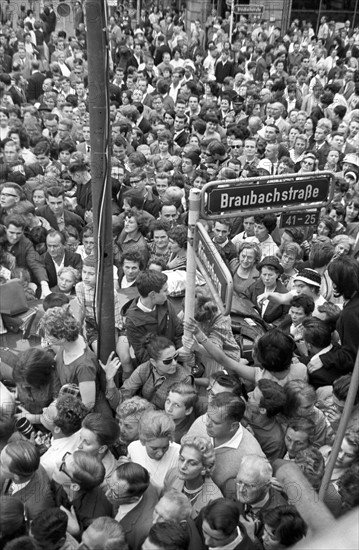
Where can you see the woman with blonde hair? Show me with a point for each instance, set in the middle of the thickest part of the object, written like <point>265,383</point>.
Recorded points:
<point>192,476</point>
<point>155,449</point>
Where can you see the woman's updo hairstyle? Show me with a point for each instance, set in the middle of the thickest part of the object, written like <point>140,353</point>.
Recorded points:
<point>156,345</point>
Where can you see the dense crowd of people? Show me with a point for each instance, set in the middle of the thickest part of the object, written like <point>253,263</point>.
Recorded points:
<point>175,442</point>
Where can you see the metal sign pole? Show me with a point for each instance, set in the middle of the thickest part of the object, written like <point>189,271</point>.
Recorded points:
<point>231,22</point>
<point>193,217</point>
<point>348,407</point>
<point>96,21</point>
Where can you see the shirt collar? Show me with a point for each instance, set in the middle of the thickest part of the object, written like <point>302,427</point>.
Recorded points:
<point>321,352</point>
<point>231,545</point>
<point>235,441</point>
<point>144,308</point>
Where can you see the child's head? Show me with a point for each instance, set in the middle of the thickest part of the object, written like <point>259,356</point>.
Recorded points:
<point>181,399</point>
<point>88,240</point>
<point>89,269</point>
<point>301,307</point>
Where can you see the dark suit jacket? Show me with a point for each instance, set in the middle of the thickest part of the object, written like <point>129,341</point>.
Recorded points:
<point>34,86</point>
<point>26,256</point>
<point>71,259</point>
<point>223,70</point>
<point>69,217</point>
<point>6,64</point>
<point>36,496</point>
<point>322,154</point>
<point>273,312</point>
<point>138,522</point>
<point>181,138</point>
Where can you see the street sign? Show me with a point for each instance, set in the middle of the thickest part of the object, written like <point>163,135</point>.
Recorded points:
<point>213,269</point>
<point>290,193</point>
<point>304,218</point>
<point>244,9</point>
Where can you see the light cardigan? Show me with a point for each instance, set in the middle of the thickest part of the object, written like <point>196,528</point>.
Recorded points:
<point>209,490</point>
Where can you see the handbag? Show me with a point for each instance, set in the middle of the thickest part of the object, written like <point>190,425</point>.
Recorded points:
<point>12,298</point>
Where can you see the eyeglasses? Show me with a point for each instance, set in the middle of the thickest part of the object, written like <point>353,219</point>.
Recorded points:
<point>248,486</point>
<point>63,465</point>
<point>111,493</point>
<point>170,359</point>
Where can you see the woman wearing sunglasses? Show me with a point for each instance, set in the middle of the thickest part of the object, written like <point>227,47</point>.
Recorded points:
<point>152,379</point>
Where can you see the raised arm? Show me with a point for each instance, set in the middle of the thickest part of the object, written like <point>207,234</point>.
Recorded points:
<point>239,367</point>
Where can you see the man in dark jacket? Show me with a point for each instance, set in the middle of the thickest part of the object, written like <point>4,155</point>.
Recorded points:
<point>224,67</point>
<point>35,82</point>
<point>55,213</point>
<point>23,478</point>
<point>57,256</point>
<point>23,251</point>
<point>152,313</point>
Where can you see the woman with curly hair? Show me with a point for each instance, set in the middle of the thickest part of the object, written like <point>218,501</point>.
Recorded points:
<point>63,419</point>
<point>133,234</point>
<point>178,246</point>
<point>192,476</point>
<point>75,362</point>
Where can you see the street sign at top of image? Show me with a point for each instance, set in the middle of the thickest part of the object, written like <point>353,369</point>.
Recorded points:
<point>270,193</point>
<point>244,9</point>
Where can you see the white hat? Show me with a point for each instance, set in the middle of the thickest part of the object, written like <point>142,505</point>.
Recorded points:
<point>265,164</point>
<point>352,158</point>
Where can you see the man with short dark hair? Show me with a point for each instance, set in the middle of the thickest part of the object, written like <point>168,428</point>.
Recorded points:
<point>55,212</point>
<point>133,499</point>
<point>231,440</point>
<point>23,251</point>
<point>49,527</point>
<point>167,535</point>
<point>23,478</point>
<point>152,313</point>
<point>221,233</point>
<point>221,527</point>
